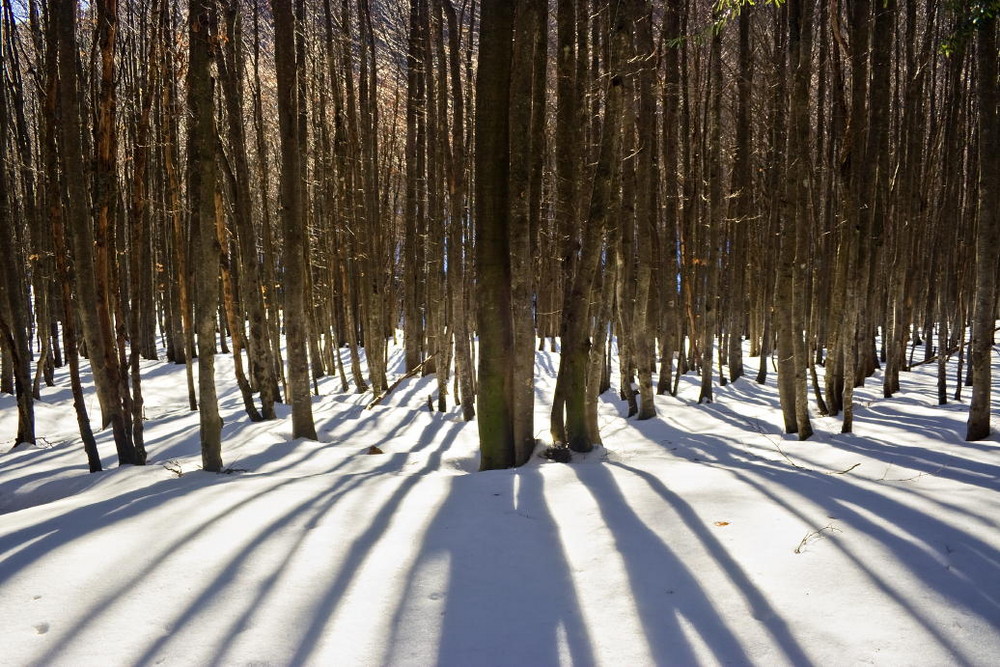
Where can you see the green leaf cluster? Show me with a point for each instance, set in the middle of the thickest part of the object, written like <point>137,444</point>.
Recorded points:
<point>970,17</point>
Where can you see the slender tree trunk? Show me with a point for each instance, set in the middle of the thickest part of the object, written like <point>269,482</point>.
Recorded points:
<point>800,54</point>
<point>202,195</point>
<point>259,345</point>
<point>178,232</point>
<point>288,69</point>
<point>645,205</point>
<point>670,341</point>
<point>530,18</point>
<point>987,234</point>
<point>13,323</point>
<point>576,345</point>
<point>114,386</point>
<point>716,220</point>
<point>458,191</point>
<point>568,145</point>
<point>56,188</point>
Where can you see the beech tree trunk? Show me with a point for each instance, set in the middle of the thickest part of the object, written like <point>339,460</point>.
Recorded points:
<point>231,72</point>
<point>288,69</point>
<point>530,18</point>
<point>576,344</point>
<point>202,193</point>
<point>495,325</point>
<point>987,234</point>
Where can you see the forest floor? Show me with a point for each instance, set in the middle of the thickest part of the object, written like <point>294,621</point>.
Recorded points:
<point>704,536</point>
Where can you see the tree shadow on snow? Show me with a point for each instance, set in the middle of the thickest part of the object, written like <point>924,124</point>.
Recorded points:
<point>24,548</point>
<point>954,563</point>
<point>508,594</point>
<point>665,590</point>
<point>360,549</point>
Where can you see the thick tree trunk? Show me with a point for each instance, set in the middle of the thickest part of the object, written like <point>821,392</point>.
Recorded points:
<point>96,329</point>
<point>859,172</point>
<point>439,325</point>
<point>741,196</point>
<point>13,321</point>
<point>373,287</point>
<point>115,384</point>
<point>495,324</point>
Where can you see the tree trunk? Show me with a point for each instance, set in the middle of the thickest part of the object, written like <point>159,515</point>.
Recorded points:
<point>201,192</point>
<point>568,146</point>
<point>258,343</point>
<point>645,205</point>
<point>800,16</point>
<point>495,325</point>
<point>288,70</point>
<point>458,204</point>
<point>576,344</point>
<point>178,232</point>
<point>987,234</point>
<point>530,18</point>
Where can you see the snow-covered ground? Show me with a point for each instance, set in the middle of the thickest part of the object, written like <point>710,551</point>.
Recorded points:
<point>704,536</point>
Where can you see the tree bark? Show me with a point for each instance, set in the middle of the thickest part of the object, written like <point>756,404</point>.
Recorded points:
<point>258,342</point>
<point>458,205</point>
<point>530,18</point>
<point>492,163</point>
<point>987,234</point>
<point>645,204</point>
<point>288,69</point>
<point>576,344</point>
<point>202,194</point>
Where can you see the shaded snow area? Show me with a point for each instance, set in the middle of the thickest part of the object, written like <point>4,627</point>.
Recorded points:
<point>704,536</point>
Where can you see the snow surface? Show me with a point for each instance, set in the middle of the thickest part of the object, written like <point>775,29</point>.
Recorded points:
<point>704,536</point>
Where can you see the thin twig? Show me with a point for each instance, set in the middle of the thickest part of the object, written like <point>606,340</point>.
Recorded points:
<point>909,479</point>
<point>381,397</point>
<point>815,535</point>
<point>756,426</point>
<point>172,465</point>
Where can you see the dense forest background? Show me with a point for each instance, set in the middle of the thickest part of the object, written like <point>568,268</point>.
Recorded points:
<point>282,181</point>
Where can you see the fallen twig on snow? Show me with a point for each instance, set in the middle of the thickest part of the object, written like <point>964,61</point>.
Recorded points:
<point>381,397</point>
<point>756,426</point>
<point>908,479</point>
<point>172,465</point>
<point>815,535</point>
